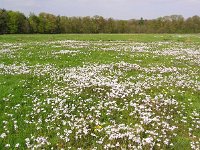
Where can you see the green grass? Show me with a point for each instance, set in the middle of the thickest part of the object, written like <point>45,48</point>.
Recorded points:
<point>101,82</point>
<point>103,37</point>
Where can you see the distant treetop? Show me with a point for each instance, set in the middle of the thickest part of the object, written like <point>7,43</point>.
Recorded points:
<point>13,22</point>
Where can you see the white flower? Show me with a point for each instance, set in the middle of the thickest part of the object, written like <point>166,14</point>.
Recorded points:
<point>3,135</point>
<point>7,145</point>
<point>17,145</point>
<point>148,140</point>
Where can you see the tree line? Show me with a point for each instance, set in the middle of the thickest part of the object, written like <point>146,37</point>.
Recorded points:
<point>15,22</point>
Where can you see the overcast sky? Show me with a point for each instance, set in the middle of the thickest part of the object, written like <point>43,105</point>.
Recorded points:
<point>118,9</point>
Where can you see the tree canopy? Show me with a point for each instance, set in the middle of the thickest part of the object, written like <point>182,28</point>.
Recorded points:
<point>14,22</point>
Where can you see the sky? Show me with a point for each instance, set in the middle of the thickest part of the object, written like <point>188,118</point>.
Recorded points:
<point>117,9</point>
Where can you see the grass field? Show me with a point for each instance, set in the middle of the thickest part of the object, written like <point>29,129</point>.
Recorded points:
<point>104,91</point>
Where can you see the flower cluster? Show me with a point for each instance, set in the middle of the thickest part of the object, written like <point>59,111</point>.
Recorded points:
<point>126,104</point>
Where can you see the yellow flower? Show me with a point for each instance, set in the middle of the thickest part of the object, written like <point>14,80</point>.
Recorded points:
<point>98,127</point>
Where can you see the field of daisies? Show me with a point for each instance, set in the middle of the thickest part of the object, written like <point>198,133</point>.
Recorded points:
<point>94,92</point>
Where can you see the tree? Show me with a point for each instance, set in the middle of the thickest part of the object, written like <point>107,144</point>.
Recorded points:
<point>88,25</point>
<point>99,22</point>
<point>110,26</point>
<point>192,25</point>
<point>58,25</point>
<point>12,22</point>
<point>142,26</point>
<point>121,26</point>
<point>17,22</point>
<point>34,23</point>
<point>3,21</point>
<point>65,26</point>
<point>23,25</point>
<point>47,23</point>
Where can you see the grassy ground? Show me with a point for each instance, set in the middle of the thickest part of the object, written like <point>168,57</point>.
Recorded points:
<point>103,37</point>
<point>103,91</point>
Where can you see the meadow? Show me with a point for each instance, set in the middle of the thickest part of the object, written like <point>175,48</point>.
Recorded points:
<point>100,91</point>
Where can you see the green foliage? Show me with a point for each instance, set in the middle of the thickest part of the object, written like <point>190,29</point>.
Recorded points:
<point>3,21</point>
<point>17,22</point>
<point>45,23</point>
<point>34,23</point>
